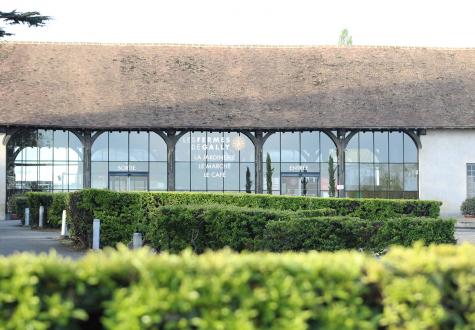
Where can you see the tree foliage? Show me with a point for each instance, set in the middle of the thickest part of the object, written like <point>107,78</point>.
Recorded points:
<point>30,18</point>
<point>248,181</point>
<point>269,172</point>
<point>331,178</point>
<point>345,38</point>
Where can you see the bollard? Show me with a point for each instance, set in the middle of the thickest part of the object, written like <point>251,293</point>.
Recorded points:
<point>64,226</point>
<point>137,241</point>
<point>27,216</point>
<point>41,218</point>
<point>96,229</point>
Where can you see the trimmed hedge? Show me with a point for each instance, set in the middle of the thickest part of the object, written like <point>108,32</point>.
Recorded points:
<point>421,288</point>
<point>17,205</point>
<point>338,233</point>
<point>202,227</point>
<point>361,208</point>
<point>54,204</point>
<point>123,213</point>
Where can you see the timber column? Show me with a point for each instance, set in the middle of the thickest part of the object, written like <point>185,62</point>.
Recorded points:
<point>87,145</point>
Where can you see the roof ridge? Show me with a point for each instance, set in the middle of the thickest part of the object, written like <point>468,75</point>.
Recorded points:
<point>76,43</point>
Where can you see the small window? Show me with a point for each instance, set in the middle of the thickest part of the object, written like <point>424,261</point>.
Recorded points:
<point>470,180</point>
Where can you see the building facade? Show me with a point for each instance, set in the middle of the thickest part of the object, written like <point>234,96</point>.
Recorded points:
<point>387,122</point>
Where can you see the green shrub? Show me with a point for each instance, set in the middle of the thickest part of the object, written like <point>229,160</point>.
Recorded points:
<point>17,205</point>
<point>468,207</point>
<point>315,213</point>
<point>53,203</point>
<point>361,208</point>
<point>121,215</point>
<point>201,227</point>
<point>337,233</point>
<point>419,288</point>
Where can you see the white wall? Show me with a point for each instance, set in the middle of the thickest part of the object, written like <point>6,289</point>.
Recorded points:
<point>3,168</point>
<point>443,162</point>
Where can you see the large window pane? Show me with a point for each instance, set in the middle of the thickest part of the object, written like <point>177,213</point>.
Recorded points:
<point>396,174</point>
<point>310,147</point>
<point>272,147</point>
<point>395,147</point>
<point>158,176</point>
<point>381,175</point>
<point>410,150</point>
<point>290,147</point>
<point>138,146</point>
<point>118,146</point>
<point>60,150</point>
<point>99,175</point>
<point>381,147</point>
<point>45,144</point>
<point>366,147</point>
<point>182,176</point>
<point>410,177</point>
<point>351,152</point>
<point>158,148</point>
<point>352,177</point>
<point>366,177</point>
<point>100,148</point>
<point>327,148</point>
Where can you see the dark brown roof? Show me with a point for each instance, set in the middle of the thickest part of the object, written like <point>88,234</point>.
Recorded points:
<point>160,86</point>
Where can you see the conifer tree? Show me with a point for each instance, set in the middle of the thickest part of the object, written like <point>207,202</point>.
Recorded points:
<point>269,172</point>
<point>331,178</point>
<point>30,18</point>
<point>248,180</point>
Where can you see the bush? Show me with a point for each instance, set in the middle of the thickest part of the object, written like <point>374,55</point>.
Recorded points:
<point>419,288</point>
<point>53,203</point>
<point>202,227</point>
<point>361,208</point>
<point>17,205</point>
<point>468,207</point>
<point>315,213</point>
<point>337,233</point>
<point>121,215</point>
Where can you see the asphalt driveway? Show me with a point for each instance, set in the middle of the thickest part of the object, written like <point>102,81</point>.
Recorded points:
<point>16,238</point>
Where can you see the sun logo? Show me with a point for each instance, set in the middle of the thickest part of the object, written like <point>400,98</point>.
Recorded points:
<point>238,143</point>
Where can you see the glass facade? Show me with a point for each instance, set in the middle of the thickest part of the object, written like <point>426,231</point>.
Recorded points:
<point>381,165</point>
<point>470,180</point>
<point>213,161</point>
<point>296,157</point>
<point>377,164</point>
<point>129,161</point>
<point>44,160</point>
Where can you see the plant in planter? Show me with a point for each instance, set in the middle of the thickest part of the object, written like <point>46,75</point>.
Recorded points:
<point>468,208</point>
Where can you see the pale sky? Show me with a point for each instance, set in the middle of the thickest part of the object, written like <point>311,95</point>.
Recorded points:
<point>449,23</point>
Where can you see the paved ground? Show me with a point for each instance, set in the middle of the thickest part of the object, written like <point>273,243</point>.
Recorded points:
<point>465,235</point>
<point>15,238</point>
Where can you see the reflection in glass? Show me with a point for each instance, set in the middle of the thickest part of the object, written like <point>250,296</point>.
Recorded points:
<point>214,160</point>
<point>387,161</point>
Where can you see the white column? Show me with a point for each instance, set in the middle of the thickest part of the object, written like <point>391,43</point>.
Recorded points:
<point>64,226</point>
<point>137,241</point>
<point>96,234</point>
<point>3,176</point>
<point>41,218</point>
<point>27,216</point>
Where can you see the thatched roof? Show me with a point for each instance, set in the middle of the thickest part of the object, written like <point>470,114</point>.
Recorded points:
<point>159,86</point>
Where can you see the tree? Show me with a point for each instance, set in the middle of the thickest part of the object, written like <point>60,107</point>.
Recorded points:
<point>345,38</point>
<point>269,172</point>
<point>248,180</point>
<point>331,178</point>
<point>30,18</point>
